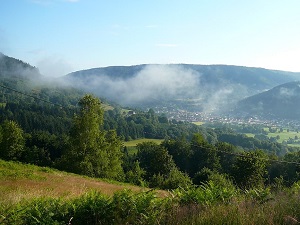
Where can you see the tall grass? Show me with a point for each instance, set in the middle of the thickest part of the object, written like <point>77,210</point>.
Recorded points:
<point>205,205</point>
<point>215,202</point>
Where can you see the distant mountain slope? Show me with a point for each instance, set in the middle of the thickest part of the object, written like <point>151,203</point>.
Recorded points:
<point>11,67</point>
<point>256,78</point>
<point>208,87</point>
<point>282,101</point>
<point>30,101</point>
<point>20,76</point>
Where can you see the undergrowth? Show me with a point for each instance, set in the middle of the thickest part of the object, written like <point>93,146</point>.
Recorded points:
<point>207,204</point>
<point>217,201</point>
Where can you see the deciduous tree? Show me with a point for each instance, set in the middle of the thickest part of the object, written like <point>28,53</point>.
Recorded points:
<point>13,142</point>
<point>93,151</point>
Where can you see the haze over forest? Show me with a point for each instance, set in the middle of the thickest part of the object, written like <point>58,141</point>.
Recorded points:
<point>199,98</point>
<point>218,90</point>
<point>184,56</point>
<point>200,88</point>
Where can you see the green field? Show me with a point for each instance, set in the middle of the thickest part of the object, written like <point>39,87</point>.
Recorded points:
<point>283,136</point>
<point>138,141</point>
<point>250,134</point>
<point>198,123</point>
<point>131,145</point>
<point>107,107</point>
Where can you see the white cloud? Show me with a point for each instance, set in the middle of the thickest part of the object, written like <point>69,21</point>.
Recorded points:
<point>52,66</point>
<point>287,92</point>
<point>153,82</point>
<point>167,82</point>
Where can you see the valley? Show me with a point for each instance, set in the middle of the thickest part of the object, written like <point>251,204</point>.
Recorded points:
<point>68,152</point>
<point>149,112</point>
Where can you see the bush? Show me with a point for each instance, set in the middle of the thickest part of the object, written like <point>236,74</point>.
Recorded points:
<point>125,207</point>
<point>217,189</point>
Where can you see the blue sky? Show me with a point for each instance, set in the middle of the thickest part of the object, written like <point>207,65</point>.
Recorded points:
<point>61,36</point>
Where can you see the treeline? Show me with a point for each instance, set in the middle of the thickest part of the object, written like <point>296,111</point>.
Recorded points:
<point>140,124</point>
<point>51,110</point>
<point>182,161</point>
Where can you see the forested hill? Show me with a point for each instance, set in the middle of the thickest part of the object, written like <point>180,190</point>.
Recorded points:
<point>45,108</point>
<point>32,103</point>
<point>64,128</point>
<point>50,108</point>
<point>208,87</point>
<point>280,102</point>
<point>11,67</point>
<point>256,78</point>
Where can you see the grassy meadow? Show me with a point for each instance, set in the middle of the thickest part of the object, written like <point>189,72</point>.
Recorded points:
<point>284,135</point>
<point>131,145</point>
<point>39,195</point>
<point>199,123</point>
<point>22,181</point>
<point>138,141</point>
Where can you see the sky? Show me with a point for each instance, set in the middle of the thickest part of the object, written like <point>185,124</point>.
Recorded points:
<point>62,36</point>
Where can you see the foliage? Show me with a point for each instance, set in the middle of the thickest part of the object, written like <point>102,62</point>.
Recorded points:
<point>92,151</point>
<point>258,194</point>
<point>181,152</point>
<point>204,154</point>
<point>206,194</point>
<point>174,179</point>
<point>136,175</point>
<point>154,159</point>
<point>250,169</point>
<point>216,201</point>
<point>12,142</point>
<point>124,207</point>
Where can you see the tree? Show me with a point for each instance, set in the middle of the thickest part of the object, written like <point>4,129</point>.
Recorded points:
<point>154,159</point>
<point>180,151</point>
<point>250,169</point>
<point>203,155</point>
<point>226,155</point>
<point>135,175</point>
<point>173,180</point>
<point>93,151</point>
<point>12,141</point>
<point>160,168</point>
<point>291,171</point>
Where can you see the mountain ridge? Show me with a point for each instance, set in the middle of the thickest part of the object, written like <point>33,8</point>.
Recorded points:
<point>149,84</point>
<point>281,101</point>
<point>188,87</point>
<point>10,66</point>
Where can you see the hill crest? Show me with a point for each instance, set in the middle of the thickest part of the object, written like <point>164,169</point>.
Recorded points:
<point>279,102</point>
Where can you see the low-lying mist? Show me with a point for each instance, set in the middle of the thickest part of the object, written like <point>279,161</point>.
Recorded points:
<point>163,83</point>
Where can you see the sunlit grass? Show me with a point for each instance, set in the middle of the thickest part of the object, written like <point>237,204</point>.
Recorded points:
<point>249,134</point>
<point>199,123</point>
<point>138,141</point>
<point>22,181</point>
<point>283,136</point>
